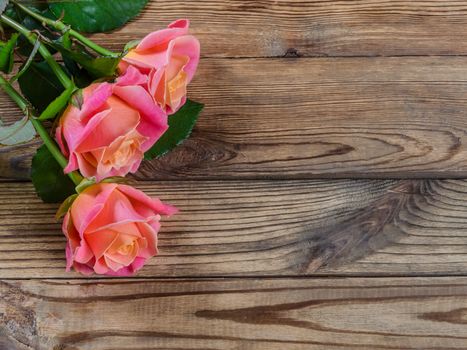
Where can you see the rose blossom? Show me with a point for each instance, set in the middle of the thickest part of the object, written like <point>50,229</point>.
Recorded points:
<point>112,229</point>
<point>169,58</point>
<point>107,132</point>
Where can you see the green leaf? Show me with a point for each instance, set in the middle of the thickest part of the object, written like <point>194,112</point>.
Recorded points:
<point>66,205</point>
<point>11,11</point>
<point>58,104</point>
<point>81,77</point>
<point>19,132</point>
<point>101,67</point>
<point>85,184</point>
<point>98,67</point>
<point>131,45</point>
<point>96,16</point>
<point>28,62</point>
<point>51,184</point>
<point>180,126</point>
<point>6,53</point>
<point>40,85</point>
<point>116,180</point>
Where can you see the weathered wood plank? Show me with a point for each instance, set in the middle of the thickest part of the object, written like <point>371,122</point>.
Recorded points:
<point>322,118</point>
<point>244,28</point>
<point>396,117</point>
<point>273,228</point>
<point>378,313</point>
<point>15,161</point>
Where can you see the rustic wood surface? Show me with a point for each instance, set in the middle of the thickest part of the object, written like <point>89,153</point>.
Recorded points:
<point>286,228</point>
<point>275,28</point>
<point>323,195</point>
<point>377,313</point>
<point>317,118</point>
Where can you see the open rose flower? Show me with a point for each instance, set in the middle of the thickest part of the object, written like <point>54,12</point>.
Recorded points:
<point>169,58</point>
<point>112,229</point>
<point>107,132</point>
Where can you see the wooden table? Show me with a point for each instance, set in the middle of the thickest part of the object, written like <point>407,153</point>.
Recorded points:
<point>322,199</point>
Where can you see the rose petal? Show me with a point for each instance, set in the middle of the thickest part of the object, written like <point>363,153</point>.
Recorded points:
<point>117,210</point>
<point>188,46</point>
<point>116,255</point>
<point>101,241</point>
<point>113,265</point>
<point>89,204</point>
<point>69,257</point>
<point>153,123</point>
<point>132,77</point>
<point>143,204</point>
<point>94,97</point>
<point>84,253</point>
<point>83,269</point>
<point>100,267</point>
<point>124,155</point>
<point>60,140</point>
<point>105,127</point>
<point>130,270</point>
<point>150,234</point>
<point>72,164</point>
<point>175,29</point>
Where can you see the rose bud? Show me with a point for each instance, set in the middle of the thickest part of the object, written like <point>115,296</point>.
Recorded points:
<point>107,129</point>
<point>112,229</point>
<point>169,58</point>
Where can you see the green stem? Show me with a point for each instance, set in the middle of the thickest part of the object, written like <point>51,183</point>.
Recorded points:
<point>55,151</point>
<point>45,53</point>
<point>91,44</point>
<point>48,141</point>
<point>62,27</point>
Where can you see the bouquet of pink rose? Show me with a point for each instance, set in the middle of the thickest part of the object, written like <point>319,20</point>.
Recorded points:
<point>106,112</point>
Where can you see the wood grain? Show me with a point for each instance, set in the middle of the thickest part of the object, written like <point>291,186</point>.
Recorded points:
<point>271,28</point>
<point>324,118</point>
<point>295,90</point>
<point>15,161</point>
<point>254,228</point>
<point>320,118</point>
<point>379,313</point>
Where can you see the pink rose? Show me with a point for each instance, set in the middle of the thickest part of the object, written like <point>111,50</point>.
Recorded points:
<point>169,58</point>
<point>109,132</point>
<point>112,229</point>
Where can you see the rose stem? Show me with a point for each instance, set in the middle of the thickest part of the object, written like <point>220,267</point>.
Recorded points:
<point>48,141</point>
<point>45,53</point>
<point>63,28</point>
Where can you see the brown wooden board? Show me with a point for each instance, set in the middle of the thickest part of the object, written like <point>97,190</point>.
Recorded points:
<point>277,314</point>
<point>270,28</point>
<point>316,212</point>
<point>317,118</point>
<point>287,228</point>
